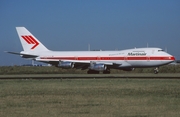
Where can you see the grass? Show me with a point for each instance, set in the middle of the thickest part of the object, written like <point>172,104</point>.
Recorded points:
<point>90,98</point>
<point>5,70</point>
<point>89,76</point>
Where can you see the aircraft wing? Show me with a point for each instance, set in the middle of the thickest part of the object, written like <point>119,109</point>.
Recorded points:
<point>77,61</point>
<point>79,64</point>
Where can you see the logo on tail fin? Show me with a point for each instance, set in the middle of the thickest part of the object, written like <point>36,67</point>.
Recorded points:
<point>30,40</point>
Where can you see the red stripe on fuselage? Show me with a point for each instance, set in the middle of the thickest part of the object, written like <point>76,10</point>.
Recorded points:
<point>113,58</point>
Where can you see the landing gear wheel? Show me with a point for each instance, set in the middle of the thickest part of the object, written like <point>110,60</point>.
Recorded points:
<point>106,72</point>
<point>156,70</point>
<point>92,72</point>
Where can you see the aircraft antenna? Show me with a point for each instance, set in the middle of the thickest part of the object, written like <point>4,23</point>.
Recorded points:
<point>166,49</point>
<point>89,47</point>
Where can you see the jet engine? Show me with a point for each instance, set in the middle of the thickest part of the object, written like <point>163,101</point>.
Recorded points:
<point>98,67</point>
<point>65,65</point>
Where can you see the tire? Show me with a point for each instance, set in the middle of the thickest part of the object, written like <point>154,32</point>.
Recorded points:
<point>92,72</point>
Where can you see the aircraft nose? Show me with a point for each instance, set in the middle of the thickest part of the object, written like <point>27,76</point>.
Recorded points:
<point>172,58</point>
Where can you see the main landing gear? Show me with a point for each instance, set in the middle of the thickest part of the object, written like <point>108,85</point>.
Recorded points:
<point>97,72</point>
<point>156,70</point>
<point>92,72</point>
<point>106,71</point>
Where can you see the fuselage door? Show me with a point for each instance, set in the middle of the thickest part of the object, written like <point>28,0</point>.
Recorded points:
<point>148,58</point>
<point>125,58</point>
<point>98,58</point>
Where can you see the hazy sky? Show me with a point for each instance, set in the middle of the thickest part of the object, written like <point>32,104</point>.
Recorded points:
<point>104,24</point>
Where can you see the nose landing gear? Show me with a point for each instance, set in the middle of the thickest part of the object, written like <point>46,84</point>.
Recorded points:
<point>156,70</point>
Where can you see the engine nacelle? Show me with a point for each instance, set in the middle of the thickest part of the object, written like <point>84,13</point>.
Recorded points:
<point>65,65</point>
<point>98,67</point>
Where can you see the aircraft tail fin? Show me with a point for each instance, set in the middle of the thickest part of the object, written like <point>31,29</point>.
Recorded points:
<point>29,42</point>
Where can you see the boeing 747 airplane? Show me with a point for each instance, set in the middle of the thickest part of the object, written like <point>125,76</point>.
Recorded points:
<point>94,61</point>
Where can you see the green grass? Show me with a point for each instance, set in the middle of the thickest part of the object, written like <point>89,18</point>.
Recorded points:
<point>90,98</point>
<point>5,70</point>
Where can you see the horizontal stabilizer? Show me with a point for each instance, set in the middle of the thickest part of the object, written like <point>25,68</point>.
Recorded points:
<point>23,55</point>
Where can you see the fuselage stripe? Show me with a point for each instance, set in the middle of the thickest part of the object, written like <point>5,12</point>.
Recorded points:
<point>113,58</point>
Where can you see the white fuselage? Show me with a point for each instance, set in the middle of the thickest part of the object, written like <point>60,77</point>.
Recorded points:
<point>140,57</point>
<point>95,61</point>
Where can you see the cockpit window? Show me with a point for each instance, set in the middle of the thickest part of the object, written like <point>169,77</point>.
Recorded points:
<point>160,50</point>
